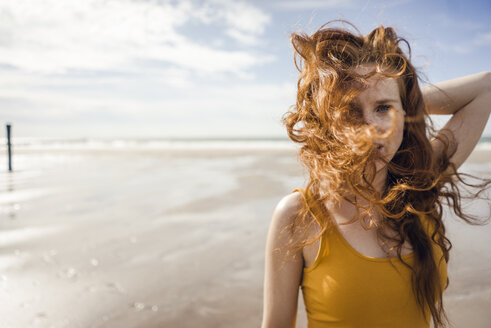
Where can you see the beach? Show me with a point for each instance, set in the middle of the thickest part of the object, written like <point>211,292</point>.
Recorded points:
<point>171,237</point>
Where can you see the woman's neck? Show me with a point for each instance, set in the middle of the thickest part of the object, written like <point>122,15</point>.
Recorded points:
<point>378,183</point>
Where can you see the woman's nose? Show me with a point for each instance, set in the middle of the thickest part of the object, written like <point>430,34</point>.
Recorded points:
<point>369,118</point>
<point>377,123</point>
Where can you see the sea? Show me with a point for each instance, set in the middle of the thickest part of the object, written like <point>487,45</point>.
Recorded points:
<point>22,143</point>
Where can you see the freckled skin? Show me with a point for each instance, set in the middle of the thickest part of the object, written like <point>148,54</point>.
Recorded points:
<point>382,118</point>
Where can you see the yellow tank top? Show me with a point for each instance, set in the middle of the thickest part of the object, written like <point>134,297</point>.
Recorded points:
<point>344,288</point>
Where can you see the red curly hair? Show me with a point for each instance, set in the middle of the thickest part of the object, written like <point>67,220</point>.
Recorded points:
<point>338,150</point>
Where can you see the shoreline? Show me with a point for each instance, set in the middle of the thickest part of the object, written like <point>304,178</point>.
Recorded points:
<point>168,239</point>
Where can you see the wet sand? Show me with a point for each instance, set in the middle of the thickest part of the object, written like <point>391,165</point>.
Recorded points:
<point>159,238</point>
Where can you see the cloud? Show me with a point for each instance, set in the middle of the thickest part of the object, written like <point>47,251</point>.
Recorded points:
<point>242,16</point>
<point>458,48</point>
<point>243,38</point>
<point>318,4</point>
<point>57,37</point>
<point>446,21</point>
<point>466,47</point>
<point>357,5</point>
<point>252,98</point>
<point>241,108</point>
<point>483,39</point>
<point>246,23</point>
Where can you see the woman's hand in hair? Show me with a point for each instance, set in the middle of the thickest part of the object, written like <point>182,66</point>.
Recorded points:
<point>468,100</point>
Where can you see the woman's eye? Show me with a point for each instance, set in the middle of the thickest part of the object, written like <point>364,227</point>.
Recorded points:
<point>383,108</point>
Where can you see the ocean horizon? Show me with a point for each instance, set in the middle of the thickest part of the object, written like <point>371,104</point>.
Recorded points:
<point>267,142</point>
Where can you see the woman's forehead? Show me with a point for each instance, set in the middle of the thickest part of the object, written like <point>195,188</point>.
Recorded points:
<point>378,88</point>
<point>376,80</point>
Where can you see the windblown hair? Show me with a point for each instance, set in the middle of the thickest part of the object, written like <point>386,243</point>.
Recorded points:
<point>339,154</point>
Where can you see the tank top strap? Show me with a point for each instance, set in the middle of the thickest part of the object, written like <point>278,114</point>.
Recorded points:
<point>313,207</point>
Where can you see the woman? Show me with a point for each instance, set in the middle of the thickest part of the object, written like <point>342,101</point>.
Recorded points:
<point>365,238</point>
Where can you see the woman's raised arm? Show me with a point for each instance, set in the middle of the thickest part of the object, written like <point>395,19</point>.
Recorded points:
<point>468,100</point>
<point>281,279</point>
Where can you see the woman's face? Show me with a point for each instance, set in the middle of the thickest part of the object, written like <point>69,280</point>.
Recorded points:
<point>381,107</point>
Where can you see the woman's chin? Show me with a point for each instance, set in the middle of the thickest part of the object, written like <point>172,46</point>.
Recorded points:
<point>380,165</point>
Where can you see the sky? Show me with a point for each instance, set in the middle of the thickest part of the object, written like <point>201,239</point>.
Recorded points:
<point>210,68</point>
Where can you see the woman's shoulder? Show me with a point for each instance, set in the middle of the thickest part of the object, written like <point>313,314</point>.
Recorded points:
<point>287,208</point>
<point>290,203</point>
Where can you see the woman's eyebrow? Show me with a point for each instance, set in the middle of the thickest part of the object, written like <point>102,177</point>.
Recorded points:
<point>384,101</point>
<point>378,102</point>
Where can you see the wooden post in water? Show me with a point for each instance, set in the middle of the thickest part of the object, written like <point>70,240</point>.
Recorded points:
<point>9,146</point>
